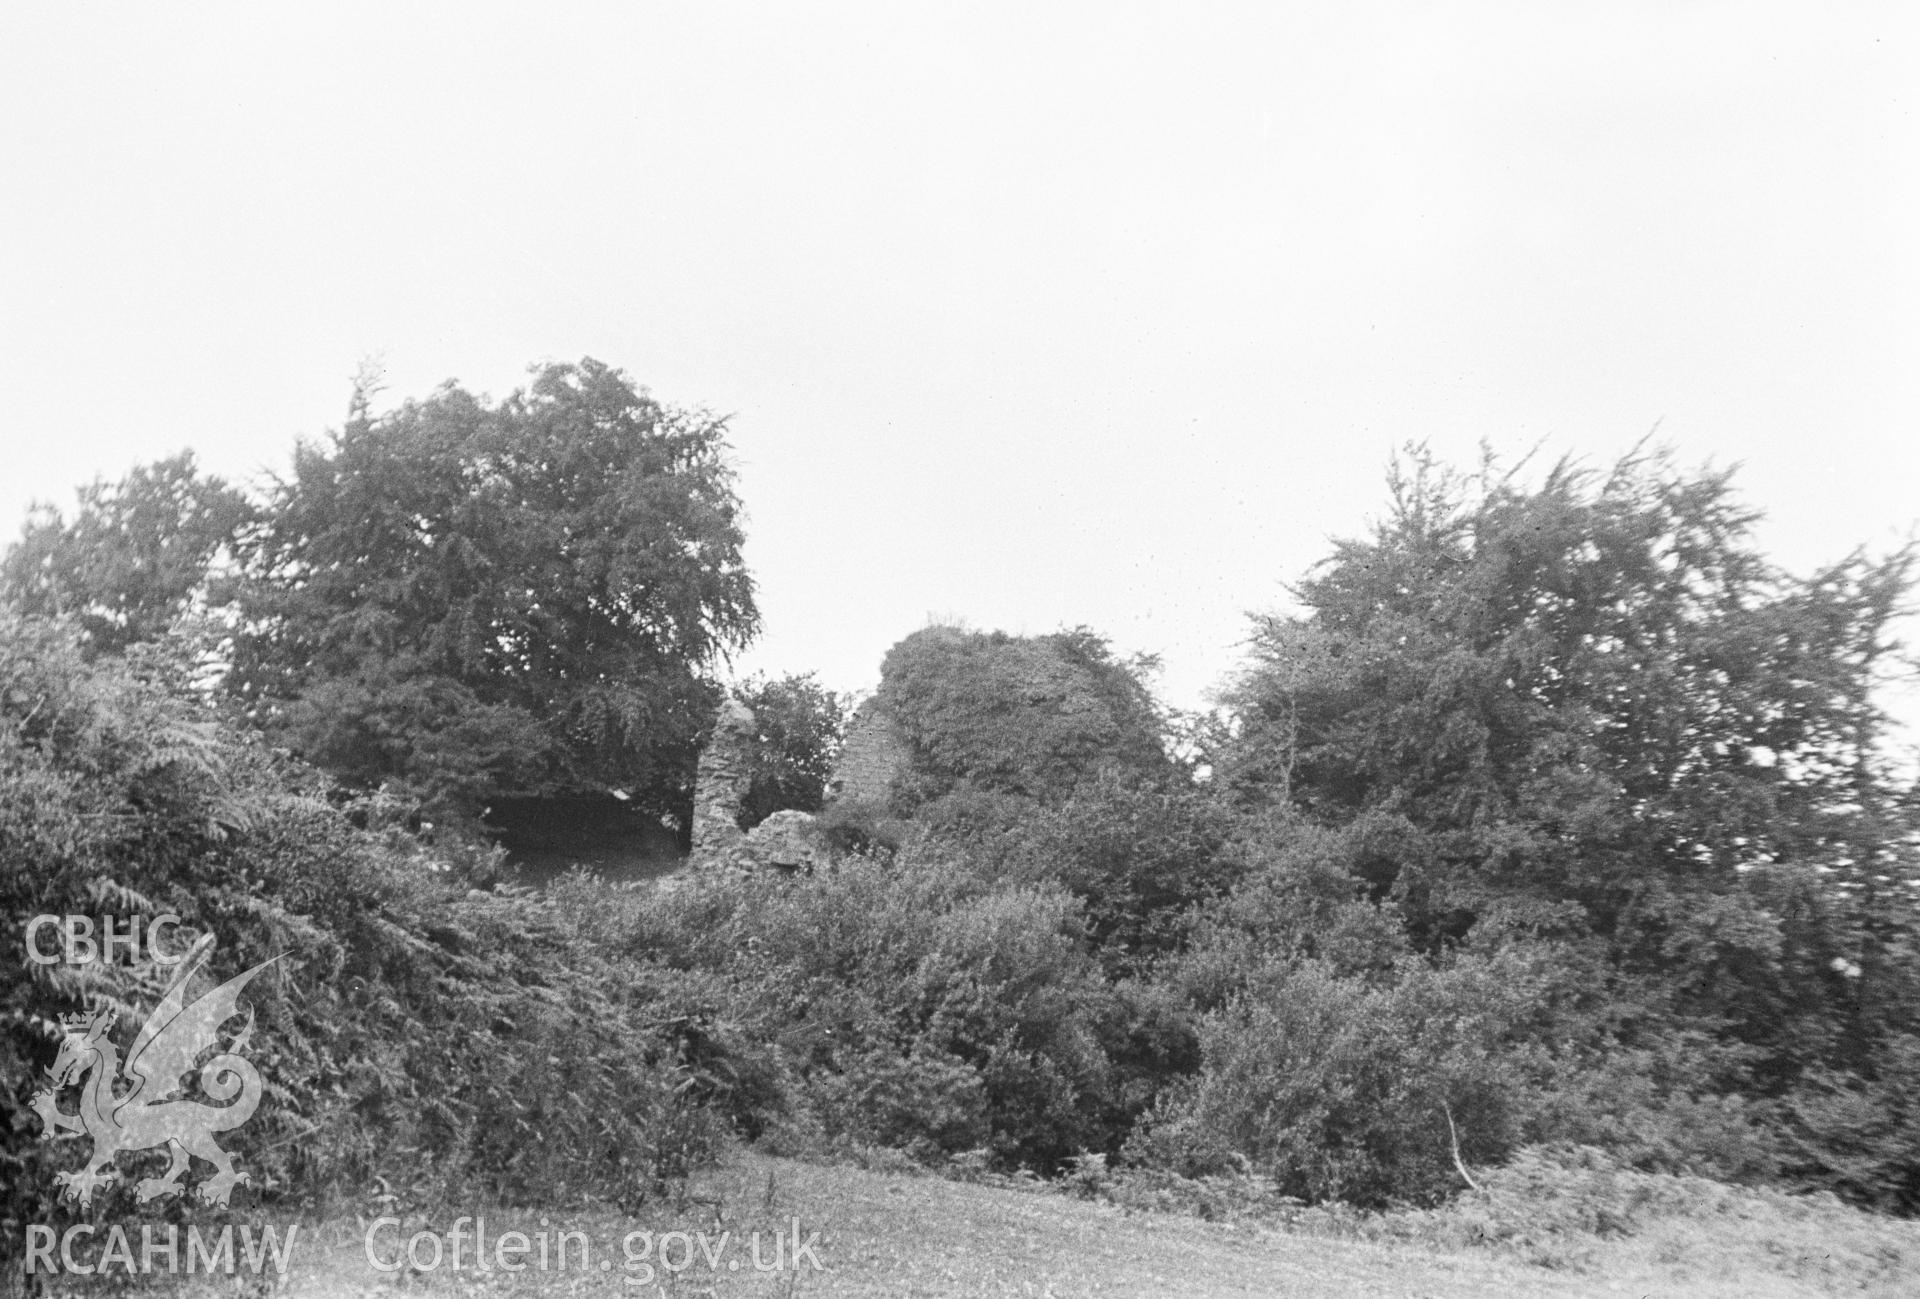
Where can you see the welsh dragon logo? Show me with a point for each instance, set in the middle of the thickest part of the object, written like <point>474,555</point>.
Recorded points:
<point>150,1114</point>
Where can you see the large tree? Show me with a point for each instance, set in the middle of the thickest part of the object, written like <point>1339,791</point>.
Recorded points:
<point>1590,708</point>
<point>469,599</point>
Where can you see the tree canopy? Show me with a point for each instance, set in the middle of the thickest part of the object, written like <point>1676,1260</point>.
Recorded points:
<point>473,599</point>
<point>798,726</point>
<point>1591,709</point>
<point>131,558</point>
<point>1555,813</point>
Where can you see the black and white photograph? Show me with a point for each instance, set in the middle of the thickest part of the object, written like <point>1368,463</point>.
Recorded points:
<point>1011,650</point>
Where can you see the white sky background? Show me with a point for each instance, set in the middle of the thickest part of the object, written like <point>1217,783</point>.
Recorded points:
<point>1026,315</point>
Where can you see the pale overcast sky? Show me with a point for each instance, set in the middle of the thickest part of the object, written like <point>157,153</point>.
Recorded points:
<point>1025,314</point>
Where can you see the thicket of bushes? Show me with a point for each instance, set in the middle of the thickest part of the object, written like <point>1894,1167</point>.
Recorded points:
<point>416,1029</point>
<point>1558,815</point>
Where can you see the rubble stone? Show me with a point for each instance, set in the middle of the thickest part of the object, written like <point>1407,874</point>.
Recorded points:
<point>786,841</point>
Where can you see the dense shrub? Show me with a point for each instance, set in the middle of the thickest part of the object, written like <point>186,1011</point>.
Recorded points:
<point>1858,1134</point>
<point>1328,1036</point>
<point>1300,896</point>
<point>1139,853</point>
<point>917,958</point>
<point>414,1025</point>
<point>1342,1087</point>
<point>912,1002</point>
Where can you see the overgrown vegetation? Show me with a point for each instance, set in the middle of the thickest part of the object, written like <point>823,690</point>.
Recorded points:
<point>415,1028</point>
<point>460,600</point>
<point>1560,815</point>
<point>799,725</point>
<point>1589,714</point>
<point>1026,716</point>
<point>1556,818</point>
<point>134,557</point>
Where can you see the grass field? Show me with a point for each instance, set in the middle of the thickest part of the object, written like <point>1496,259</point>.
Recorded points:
<point>900,1234</point>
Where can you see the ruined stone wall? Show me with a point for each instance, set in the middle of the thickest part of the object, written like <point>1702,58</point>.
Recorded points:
<point>785,841</point>
<point>873,755</point>
<point>720,786</point>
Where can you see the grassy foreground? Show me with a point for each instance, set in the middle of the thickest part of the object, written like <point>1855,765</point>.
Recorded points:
<point>898,1234</point>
